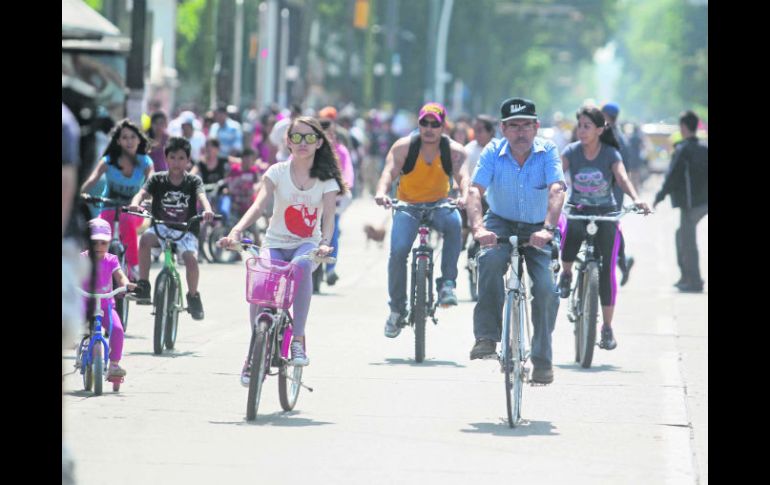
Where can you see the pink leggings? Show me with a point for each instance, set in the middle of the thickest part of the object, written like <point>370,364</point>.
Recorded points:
<point>116,335</point>
<point>129,224</point>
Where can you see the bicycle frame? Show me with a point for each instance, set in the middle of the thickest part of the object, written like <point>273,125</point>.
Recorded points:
<point>170,266</point>
<point>516,286</point>
<point>423,252</point>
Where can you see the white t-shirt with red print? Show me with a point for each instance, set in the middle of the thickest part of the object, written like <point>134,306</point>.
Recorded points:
<point>296,213</point>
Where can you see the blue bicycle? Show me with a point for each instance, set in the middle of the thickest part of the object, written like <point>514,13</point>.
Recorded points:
<point>94,350</point>
<point>116,247</point>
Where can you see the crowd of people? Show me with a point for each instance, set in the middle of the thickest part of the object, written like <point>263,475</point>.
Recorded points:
<point>301,169</point>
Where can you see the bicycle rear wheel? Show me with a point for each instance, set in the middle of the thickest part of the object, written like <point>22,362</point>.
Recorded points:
<point>97,364</point>
<point>259,361</point>
<point>588,314</point>
<point>172,320</point>
<point>161,300</point>
<point>420,308</point>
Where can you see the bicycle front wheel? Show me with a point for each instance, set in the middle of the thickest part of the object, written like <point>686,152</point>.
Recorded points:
<point>588,314</point>
<point>172,320</point>
<point>512,361</point>
<point>420,308</point>
<point>88,377</point>
<point>221,255</point>
<point>289,378</point>
<point>258,363</point>
<point>161,300</point>
<point>97,364</point>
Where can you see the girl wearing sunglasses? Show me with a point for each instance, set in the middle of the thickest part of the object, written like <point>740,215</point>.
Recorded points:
<point>304,190</point>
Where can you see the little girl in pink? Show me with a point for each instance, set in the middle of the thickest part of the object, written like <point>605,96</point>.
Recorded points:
<point>108,271</point>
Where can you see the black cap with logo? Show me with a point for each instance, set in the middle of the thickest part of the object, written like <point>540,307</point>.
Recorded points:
<point>517,108</point>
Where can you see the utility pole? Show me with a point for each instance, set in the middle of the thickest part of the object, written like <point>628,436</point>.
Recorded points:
<point>443,34</point>
<point>238,53</point>
<point>284,58</point>
<point>430,71</point>
<point>135,65</point>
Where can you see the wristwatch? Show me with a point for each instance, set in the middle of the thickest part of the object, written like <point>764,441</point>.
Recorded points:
<point>549,227</point>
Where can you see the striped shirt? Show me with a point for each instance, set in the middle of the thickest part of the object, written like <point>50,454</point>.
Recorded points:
<point>518,193</point>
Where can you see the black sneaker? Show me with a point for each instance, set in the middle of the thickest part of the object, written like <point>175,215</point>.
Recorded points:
<point>608,339</point>
<point>565,280</point>
<point>142,293</point>
<point>331,278</point>
<point>625,269</point>
<point>541,375</point>
<point>194,306</point>
<point>484,349</point>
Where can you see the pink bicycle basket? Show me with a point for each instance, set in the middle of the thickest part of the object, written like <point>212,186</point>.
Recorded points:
<point>271,282</point>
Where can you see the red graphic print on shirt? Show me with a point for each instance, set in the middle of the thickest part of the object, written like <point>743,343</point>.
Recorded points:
<point>300,221</point>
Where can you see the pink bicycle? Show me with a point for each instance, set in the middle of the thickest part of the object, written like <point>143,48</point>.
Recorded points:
<point>271,285</point>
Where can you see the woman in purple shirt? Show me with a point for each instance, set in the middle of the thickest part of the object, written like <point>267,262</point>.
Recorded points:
<point>595,165</point>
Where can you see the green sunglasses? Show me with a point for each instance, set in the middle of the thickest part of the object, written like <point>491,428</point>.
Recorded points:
<point>296,138</point>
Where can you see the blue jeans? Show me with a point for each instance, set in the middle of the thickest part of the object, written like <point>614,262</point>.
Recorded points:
<point>404,231</point>
<point>493,264</point>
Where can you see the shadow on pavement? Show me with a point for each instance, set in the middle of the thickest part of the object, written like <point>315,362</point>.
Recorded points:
<point>596,368</point>
<point>169,354</point>
<point>287,419</point>
<point>412,363</point>
<point>525,428</point>
<point>134,337</point>
<point>107,391</point>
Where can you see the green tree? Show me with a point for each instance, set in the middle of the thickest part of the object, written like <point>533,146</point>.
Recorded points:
<point>664,47</point>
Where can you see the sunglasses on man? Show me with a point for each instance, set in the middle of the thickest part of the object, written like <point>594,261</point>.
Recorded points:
<point>433,124</point>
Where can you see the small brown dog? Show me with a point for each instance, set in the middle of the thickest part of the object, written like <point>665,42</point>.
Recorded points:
<point>376,234</point>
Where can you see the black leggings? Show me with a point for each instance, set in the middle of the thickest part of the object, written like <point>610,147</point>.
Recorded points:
<point>607,245</point>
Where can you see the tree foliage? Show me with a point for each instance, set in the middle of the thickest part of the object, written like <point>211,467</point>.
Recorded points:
<point>664,47</point>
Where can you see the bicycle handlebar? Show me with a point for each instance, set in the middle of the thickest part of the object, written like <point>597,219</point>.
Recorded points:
<point>175,225</point>
<point>93,199</point>
<point>526,244</point>
<point>610,216</point>
<point>396,204</point>
<point>103,296</point>
<point>248,246</point>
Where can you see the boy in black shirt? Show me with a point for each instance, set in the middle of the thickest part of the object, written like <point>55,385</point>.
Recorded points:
<point>174,194</point>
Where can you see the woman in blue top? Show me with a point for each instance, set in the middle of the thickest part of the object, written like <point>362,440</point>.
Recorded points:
<point>595,164</point>
<point>127,166</point>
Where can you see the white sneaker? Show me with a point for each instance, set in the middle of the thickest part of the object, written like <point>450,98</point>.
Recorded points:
<point>392,328</point>
<point>298,356</point>
<point>245,374</point>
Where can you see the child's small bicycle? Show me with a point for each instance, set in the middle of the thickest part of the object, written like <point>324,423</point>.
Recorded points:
<point>272,284</point>
<point>94,351</point>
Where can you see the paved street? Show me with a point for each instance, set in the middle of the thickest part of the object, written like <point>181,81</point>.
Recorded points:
<point>639,415</point>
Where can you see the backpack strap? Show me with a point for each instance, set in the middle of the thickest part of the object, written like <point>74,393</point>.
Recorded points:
<point>414,151</point>
<point>446,155</point>
<point>411,157</point>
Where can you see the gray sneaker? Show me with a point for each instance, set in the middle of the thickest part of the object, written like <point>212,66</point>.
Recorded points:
<point>298,356</point>
<point>393,325</point>
<point>446,295</point>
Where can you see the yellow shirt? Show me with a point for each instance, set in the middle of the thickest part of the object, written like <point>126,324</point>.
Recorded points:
<point>425,183</point>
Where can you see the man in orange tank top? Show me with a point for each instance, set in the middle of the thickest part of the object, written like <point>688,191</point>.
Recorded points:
<point>426,183</point>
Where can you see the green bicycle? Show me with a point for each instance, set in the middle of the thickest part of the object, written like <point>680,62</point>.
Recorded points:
<point>168,297</point>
